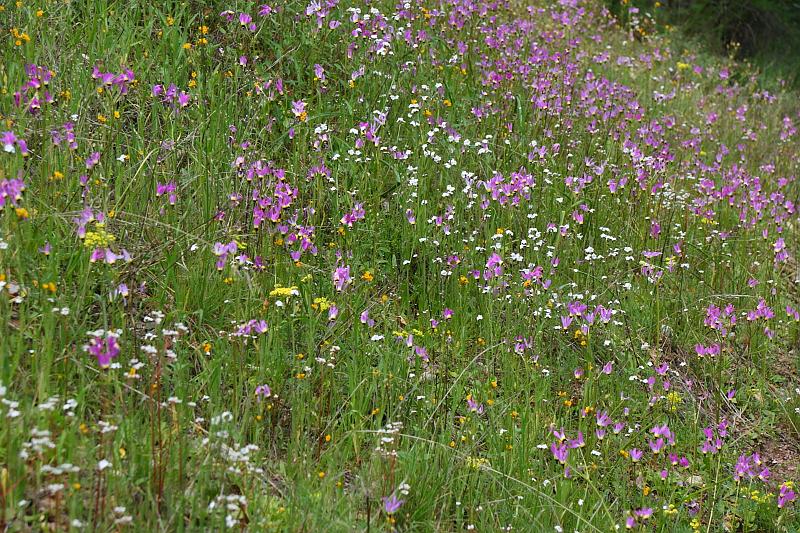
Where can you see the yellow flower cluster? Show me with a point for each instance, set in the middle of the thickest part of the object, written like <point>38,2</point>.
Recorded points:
<point>284,292</point>
<point>19,37</point>
<point>322,303</point>
<point>99,238</point>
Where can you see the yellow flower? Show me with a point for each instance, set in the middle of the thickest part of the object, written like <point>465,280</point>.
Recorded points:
<point>367,276</point>
<point>322,303</point>
<point>22,213</point>
<point>99,238</point>
<point>476,462</point>
<point>284,292</point>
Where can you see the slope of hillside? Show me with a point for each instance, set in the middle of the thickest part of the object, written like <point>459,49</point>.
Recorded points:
<point>430,266</point>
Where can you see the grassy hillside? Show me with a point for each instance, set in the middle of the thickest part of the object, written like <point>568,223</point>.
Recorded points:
<point>430,266</point>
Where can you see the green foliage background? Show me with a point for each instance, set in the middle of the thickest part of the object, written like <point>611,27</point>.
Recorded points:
<point>766,32</point>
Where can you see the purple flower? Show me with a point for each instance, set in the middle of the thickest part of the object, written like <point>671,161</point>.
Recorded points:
<point>104,346</point>
<point>786,495</point>
<point>354,215</point>
<point>169,189</point>
<point>333,312</point>
<point>92,160</point>
<point>121,290</point>
<point>391,504</point>
<point>341,277</point>
<point>11,192</point>
<point>263,391</point>
<point>560,452</point>
<point>8,139</point>
<point>365,319</point>
<point>474,406</point>
<point>246,21</point>
<point>183,99</point>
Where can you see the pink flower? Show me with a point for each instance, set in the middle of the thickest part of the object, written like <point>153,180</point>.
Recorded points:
<point>104,346</point>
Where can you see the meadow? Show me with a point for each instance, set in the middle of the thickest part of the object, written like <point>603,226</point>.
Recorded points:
<point>481,265</point>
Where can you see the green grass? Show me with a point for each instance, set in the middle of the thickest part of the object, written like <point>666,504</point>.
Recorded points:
<point>173,436</point>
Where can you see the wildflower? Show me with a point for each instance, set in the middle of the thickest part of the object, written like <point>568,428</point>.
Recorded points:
<point>319,73</point>
<point>11,192</point>
<point>92,160</point>
<point>284,292</point>
<point>365,318</point>
<point>786,494</point>
<point>341,277</point>
<point>121,290</point>
<point>169,189</point>
<point>263,391</point>
<point>560,452</point>
<point>246,21</point>
<point>104,346</point>
<point>9,141</point>
<point>333,312</point>
<point>391,504</point>
<point>299,110</point>
<point>354,215</point>
<point>474,406</point>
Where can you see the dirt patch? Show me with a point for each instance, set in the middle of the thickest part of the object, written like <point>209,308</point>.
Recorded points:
<point>781,453</point>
